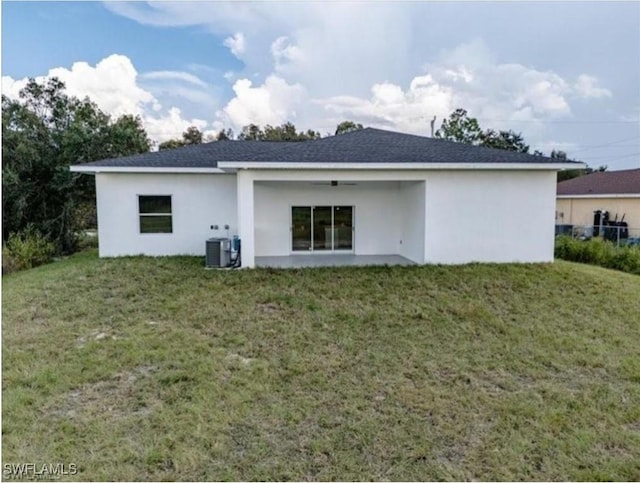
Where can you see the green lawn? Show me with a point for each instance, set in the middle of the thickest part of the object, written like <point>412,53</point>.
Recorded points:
<point>155,369</point>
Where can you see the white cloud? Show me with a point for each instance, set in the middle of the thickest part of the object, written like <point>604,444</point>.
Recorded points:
<point>319,63</point>
<point>468,77</point>
<point>236,44</point>
<point>363,61</point>
<point>273,102</point>
<point>174,75</point>
<point>473,55</point>
<point>170,125</point>
<point>111,84</point>
<point>114,85</point>
<point>12,87</point>
<point>318,45</point>
<point>587,87</point>
<point>285,52</point>
<point>392,107</point>
<point>529,90</point>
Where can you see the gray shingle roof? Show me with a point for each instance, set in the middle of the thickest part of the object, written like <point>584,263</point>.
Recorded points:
<point>364,146</point>
<point>204,155</point>
<point>603,183</point>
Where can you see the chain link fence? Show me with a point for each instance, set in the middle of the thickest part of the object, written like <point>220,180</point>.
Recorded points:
<point>619,235</point>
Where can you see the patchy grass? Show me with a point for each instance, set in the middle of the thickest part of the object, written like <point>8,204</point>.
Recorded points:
<point>155,369</point>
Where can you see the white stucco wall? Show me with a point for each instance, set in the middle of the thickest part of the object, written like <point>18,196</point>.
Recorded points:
<point>376,214</point>
<point>412,215</point>
<point>490,216</point>
<point>198,201</point>
<point>427,216</point>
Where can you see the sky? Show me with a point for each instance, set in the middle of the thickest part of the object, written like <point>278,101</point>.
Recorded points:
<point>566,75</point>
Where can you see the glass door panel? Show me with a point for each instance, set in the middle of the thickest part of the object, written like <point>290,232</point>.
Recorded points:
<point>343,227</point>
<point>322,228</point>
<point>301,228</point>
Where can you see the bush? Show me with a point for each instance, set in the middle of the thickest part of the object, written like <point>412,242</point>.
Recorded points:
<point>85,216</point>
<point>626,259</point>
<point>26,249</point>
<point>89,239</point>
<point>599,252</point>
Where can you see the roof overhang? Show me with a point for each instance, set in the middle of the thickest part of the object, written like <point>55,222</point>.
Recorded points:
<point>600,196</point>
<point>400,166</point>
<point>79,168</point>
<point>231,166</point>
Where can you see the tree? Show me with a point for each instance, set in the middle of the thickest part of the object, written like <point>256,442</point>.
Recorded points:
<point>347,126</point>
<point>284,132</point>
<point>224,135</point>
<point>43,133</point>
<point>171,144</point>
<point>574,173</point>
<point>252,132</point>
<point>310,135</point>
<point>192,135</point>
<point>504,140</point>
<point>459,127</point>
<point>126,136</point>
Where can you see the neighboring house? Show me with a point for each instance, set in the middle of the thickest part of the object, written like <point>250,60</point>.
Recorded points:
<point>617,192</point>
<point>367,192</point>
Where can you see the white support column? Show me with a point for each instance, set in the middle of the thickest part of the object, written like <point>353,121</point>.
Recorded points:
<point>425,221</point>
<point>246,229</point>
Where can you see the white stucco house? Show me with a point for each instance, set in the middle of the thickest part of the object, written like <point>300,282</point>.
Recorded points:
<point>364,194</point>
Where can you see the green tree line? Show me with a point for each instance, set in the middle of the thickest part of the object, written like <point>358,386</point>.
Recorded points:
<point>460,127</point>
<point>43,133</point>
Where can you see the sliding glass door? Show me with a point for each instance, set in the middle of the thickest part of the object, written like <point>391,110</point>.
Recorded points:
<point>301,228</point>
<point>343,227</point>
<point>321,228</point>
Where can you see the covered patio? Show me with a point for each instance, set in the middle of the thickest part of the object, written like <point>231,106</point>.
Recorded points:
<point>330,260</point>
<point>335,218</point>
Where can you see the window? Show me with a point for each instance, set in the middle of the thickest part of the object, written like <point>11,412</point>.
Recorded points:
<point>155,214</point>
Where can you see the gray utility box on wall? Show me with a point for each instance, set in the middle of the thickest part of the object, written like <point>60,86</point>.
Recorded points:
<point>217,252</point>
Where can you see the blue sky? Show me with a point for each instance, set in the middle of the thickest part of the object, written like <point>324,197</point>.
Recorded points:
<point>37,36</point>
<point>566,75</point>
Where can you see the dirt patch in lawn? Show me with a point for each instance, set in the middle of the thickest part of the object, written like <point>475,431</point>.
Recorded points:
<point>115,398</point>
<point>267,308</point>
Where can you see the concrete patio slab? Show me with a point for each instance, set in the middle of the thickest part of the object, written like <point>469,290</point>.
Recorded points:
<point>330,260</point>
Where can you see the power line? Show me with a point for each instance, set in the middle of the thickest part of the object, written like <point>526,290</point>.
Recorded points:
<point>546,121</point>
<point>567,146</point>
<point>613,159</point>
<point>586,148</point>
<point>543,121</point>
<point>627,156</point>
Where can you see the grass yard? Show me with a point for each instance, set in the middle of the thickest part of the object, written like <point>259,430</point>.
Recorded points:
<point>155,369</point>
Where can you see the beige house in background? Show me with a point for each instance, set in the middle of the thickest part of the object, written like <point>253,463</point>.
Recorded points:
<point>617,192</point>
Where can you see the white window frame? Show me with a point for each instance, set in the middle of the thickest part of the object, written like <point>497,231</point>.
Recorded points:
<point>170,214</point>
